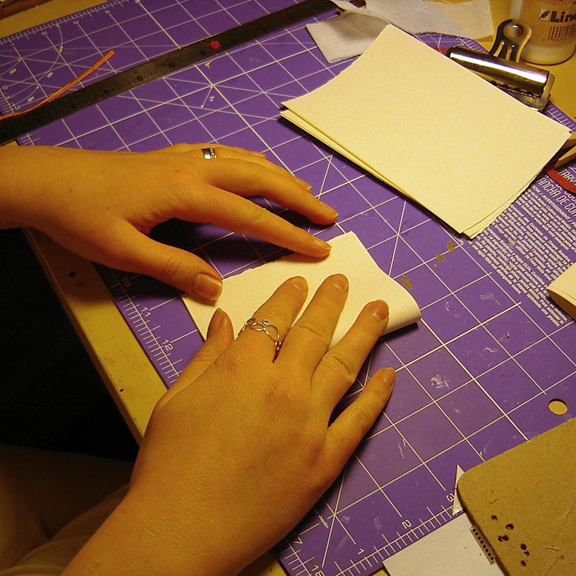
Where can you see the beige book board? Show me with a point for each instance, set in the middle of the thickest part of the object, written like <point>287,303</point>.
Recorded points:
<point>524,503</point>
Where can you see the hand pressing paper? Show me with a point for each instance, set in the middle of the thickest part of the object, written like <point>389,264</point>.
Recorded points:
<point>438,133</point>
<point>244,293</point>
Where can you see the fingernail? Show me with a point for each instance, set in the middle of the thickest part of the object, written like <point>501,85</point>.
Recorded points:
<point>329,211</point>
<point>214,325</point>
<point>379,310</point>
<point>322,243</point>
<point>340,282</point>
<point>389,377</point>
<point>299,283</point>
<point>303,183</point>
<point>207,287</point>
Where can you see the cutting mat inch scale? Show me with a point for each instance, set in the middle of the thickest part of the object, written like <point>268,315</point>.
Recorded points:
<point>474,377</point>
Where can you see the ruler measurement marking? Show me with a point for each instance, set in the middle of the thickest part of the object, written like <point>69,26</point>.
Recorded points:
<point>149,341</point>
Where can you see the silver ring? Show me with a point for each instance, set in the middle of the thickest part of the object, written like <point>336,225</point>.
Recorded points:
<point>209,153</point>
<point>264,326</point>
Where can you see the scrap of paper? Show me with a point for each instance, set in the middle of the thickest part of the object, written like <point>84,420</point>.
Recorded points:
<point>474,16</point>
<point>355,29</point>
<point>413,16</point>
<point>244,293</point>
<point>563,291</point>
<point>346,35</point>
<point>432,129</point>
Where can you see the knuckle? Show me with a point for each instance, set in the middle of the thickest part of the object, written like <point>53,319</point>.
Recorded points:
<point>342,362</point>
<point>235,365</point>
<point>238,366</point>
<point>259,217</point>
<point>274,313</point>
<point>180,147</point>
<point>362,422</point>
<point>254,170</point>
<point>283,396</point>
<point>314,328</point>
<point>171,269</point>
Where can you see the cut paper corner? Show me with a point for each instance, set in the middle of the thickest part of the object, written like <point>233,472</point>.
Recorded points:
<point>244,293</point>
<point>485,222</point>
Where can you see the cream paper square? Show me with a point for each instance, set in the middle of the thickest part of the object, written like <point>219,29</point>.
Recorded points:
<point>244,293</point>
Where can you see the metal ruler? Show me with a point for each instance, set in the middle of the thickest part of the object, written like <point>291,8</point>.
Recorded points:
<point>160,66</point>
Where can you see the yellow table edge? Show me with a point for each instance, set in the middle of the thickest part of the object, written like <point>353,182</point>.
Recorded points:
<point>123,365</point>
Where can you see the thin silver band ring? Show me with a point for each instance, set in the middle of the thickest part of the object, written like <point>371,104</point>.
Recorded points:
<point>209,153</point>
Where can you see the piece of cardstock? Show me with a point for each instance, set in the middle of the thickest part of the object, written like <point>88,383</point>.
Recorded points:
<point>432,129</point>
<point>244,293</point>
<point>563,291</point>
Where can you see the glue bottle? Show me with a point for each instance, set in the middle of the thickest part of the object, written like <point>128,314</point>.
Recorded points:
<point>553,24</point>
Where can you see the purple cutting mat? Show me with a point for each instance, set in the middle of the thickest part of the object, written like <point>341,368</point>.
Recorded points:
<point>475,376</point>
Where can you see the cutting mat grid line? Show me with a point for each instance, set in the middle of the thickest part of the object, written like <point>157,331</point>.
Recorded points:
<point>538,331</point>
<point>474,377</point>
<point>137,31</point>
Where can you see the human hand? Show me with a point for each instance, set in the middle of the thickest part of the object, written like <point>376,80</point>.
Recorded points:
<point>103,205</point>
<point>242,446</point>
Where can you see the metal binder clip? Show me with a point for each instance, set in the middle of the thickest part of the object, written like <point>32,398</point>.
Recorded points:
<point>511,37</point>
<point>528,84</point>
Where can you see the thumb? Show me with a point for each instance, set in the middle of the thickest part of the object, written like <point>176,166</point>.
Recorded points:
<point>220,335</point>
<point>170,265</point>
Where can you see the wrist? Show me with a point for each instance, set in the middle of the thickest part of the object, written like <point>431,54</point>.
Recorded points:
<point>20,172</point>
<point>8,211</point>
<point>147,535</point>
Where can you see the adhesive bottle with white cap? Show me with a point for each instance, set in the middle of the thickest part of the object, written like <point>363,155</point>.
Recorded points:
<point>553,24</point>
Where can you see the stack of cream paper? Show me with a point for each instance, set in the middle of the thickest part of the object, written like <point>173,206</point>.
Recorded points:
<point>432,129</point>
<point>244,293</point>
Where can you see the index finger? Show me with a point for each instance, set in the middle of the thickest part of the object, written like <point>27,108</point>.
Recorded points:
<point>238,214</point>
<point>259,177</point>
